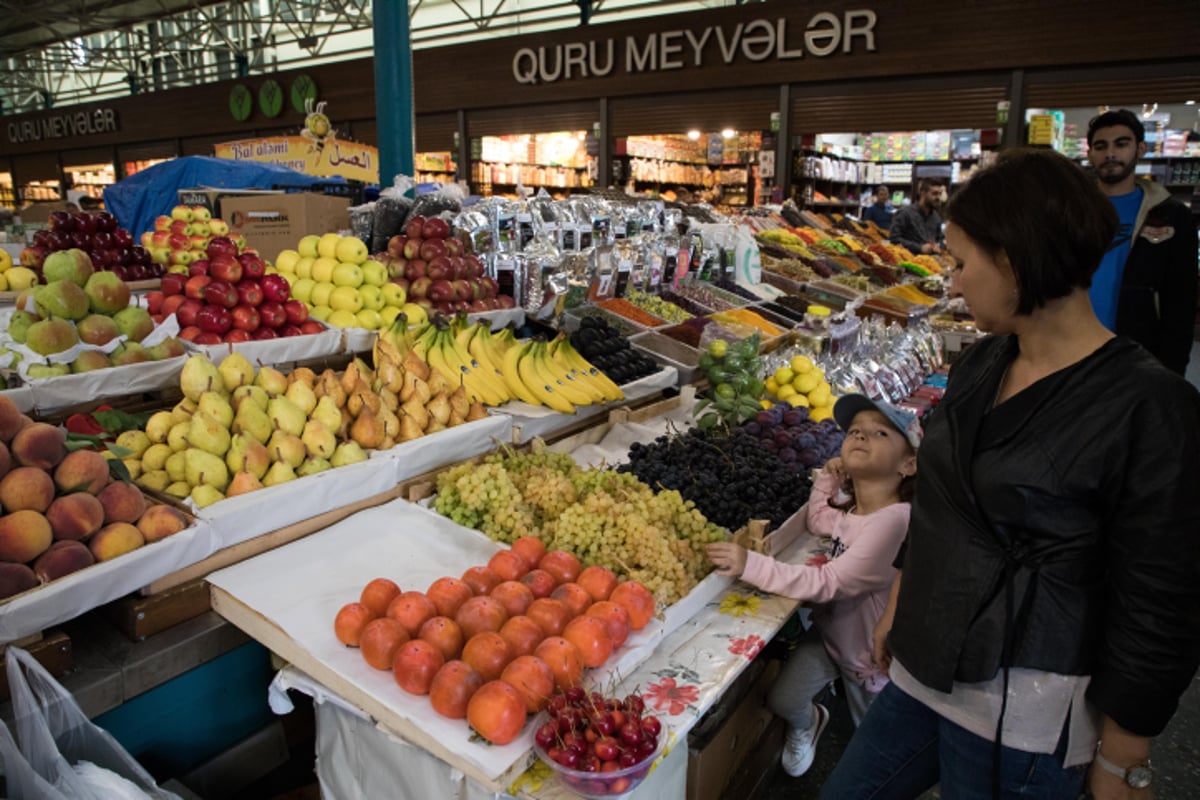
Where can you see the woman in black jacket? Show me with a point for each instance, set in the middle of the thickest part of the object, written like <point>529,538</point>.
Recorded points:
<point>1047,615</point>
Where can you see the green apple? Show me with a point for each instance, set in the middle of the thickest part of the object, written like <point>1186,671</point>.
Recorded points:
<point>374,273</point>
<point>346,274</point>
<point>343,319</point>
<point>368,318</point>
<point>350,249</point>
<point>394,295</point>
<point>322,270</point>
<point>371,296</point>
<point>387,315</point>
<point>320,312</point>
<point>303,267</point>
<point>416,315</point>
<point>302,289</point>
<point>308,246</point>
<point>345,298</point>
<point>286,261</point>
<point>319,296</point>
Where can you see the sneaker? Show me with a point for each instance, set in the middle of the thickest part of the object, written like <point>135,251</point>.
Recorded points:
<point>799,747</point>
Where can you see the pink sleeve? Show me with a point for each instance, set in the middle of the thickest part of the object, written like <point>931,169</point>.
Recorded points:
<point>864,566</point>
<point>821,516</point>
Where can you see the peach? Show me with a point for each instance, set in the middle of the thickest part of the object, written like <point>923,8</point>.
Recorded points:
<point>115,540</point>
<point>82,471</point>
<point>24,535</point>
<point>10,419</point>
<point>161,521</point>
<point>5,460</point>
<point>61,559</point>
<point>26,488</point>
<point>16,578</point>
<point>39,445</point>
<point>75,516</point>
<point>123,502</point>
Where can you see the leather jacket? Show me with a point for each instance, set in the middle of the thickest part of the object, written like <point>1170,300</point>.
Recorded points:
<point>1059,531</point>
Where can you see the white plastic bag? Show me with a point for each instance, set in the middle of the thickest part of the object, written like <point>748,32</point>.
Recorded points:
<point>55,734</point>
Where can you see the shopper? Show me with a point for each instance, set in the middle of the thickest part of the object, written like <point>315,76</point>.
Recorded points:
<point>918,226</point>
<point>880,212</point>
<point>1145,287</point>
<point>1046,610</point>
<point>867,524</point>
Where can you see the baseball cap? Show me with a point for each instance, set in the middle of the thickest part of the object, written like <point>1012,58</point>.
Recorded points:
<point>904,421</point>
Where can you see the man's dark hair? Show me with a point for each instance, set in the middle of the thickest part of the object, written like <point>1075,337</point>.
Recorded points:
<point>1121,116</point>
<point>924,184</point>
<point>880,188</point>
<point>1040,212</point>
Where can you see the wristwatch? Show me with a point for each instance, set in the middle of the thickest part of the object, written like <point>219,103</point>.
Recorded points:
<point>1139,776</point>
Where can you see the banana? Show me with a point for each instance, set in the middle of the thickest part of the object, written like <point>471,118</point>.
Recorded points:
<point>485,369</point>
<point>575,382</point>
<point>576,395</point>
<point>468,373</point>
<point>421,341</point>
<point>512,377</point>
<point>532,378</point>
<point>479,351</point>
<point>564,350</point>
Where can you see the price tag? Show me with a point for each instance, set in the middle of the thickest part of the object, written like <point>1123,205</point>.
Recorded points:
<point>683,263</point>
<point>524,229</point>
<point>604,278</point>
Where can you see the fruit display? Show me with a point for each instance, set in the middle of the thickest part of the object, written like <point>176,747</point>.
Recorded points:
<point>610,352</point>
<point>107,244</point>
<point>227,296</point>
<point>492,646</point>
<point>801,384</point>
<point>729,476</point>
<point>795,436</point>
<point>601,746</point>
<point>653,304</point>
<point>181,238</point>
<point>439,270</point>
<point>735,391</point>
<point>338,282</point>
<point>62,510</point>
<point>603,517</point>
<point>78,305</point>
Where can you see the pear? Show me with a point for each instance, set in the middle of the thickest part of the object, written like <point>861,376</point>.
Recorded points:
<point>455,419</point>
<point>159,425</point>
<point>367,430</point>
<point>280,472</point>
<point>439,408</point>
<point>318,439</point>
<point>438,383</point>
<point>254,394</point>
<point>199,376</point>
<point>391,423</point>
<point>418,389</point>
<point>409,429</point>
<point>329,386</point>
<point>252,420</point>
<point>388,400</point>
<point>204,495</point>
<point>390,376</point>
<point>303,375</point>
<point>347,420</point>
<point>416,412</point>
<point>327,413</point>
<point>286,415</point>
<point>388,443</point>
<point>476,411</point>
<point>271,381</point>
<point>434,426</point>
<point>176,466</point>
<point>156,480</point>
<point>177,437</point>
<point>312,466</point>
<point>156,456</point>
<point>243,482</point>
<point>459,404</point>
<point>287,448</point>
<point>236,370</point>
<point>347,453</point>
<point>208,434</point>
<point>217,407</point>
<point>178,489</point>
<point>133,466</point>
<point>205,468</point>
<point>416,365</point>
<point>183,410</point>
<point>302,395</point>
<point>247,454</point>
<point>350,377</point>
<point>136,442</point>
<point>362,397</point>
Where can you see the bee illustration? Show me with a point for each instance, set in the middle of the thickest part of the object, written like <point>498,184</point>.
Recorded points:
<point>317,127</point>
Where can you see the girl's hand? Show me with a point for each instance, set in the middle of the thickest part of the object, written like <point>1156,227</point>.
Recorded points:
<point>729,558</point>
<point>834,467</point>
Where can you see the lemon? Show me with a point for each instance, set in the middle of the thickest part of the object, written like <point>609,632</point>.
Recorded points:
<point>785,392</point>
<point>771,385</point>
<point>819,413</point>
<point>766,404</point>
<point>806,382</point>
<point>801,364</point>
<point>820,396</point>
<point>784,375</point>
<point>798,401</point>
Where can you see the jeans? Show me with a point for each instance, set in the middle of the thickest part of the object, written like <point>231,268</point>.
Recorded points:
<point>902,749</point>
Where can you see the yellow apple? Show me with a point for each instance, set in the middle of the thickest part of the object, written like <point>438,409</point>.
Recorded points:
<point>351,249</point>
<point>5,261</point>
<point>371,296</point>
<point>308,246</point>
<point>320,312</point>
<point>319,296</point>
<point>345,298</point>
<point>302,289</point>
<point>327,245</point>
<point>387,315</point>
<point>394,295</point>
<point>286,261</point>
<point>20,278</point>
<point>343,319</point>
<point>303,267</point>
<point>290,277</point>
<point>368,318</point>
<point>416,315</point>
<point>347,274</point>
<point>3,283</point>
<point>374,273</point>
<point>322,270</point>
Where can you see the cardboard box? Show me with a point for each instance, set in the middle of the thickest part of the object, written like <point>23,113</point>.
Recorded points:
<point>40,212</point>
<point>719,747</point>
<point>276,222</point>
<point>211,198</point>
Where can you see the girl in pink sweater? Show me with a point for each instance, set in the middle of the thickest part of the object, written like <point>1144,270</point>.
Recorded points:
<point>867,523</point>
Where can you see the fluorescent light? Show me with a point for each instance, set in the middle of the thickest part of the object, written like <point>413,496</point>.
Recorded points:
<point>1190,103</point>
<point>693,134</point>
<point>729,133</point>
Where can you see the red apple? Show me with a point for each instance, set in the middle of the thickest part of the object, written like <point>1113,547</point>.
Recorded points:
<point>290,330</point>
<point>491,285</point>
<point>220,293</point>
<point>237,335</point>
<point>208,337</point>
<point>431,249</point>
<point>33,257</point>
<point>225,268</point>
<point>311,326</point>
<point>252,265</point>
<point>221,246</point>
<point>454,246</point>
<point>435,228</point>
<point>463,291</point>
<point>189,333</point>
<point>413,229</point>
<point>122,237</point>
<point>476,306</point>
<point>419,288</point>
<point>250,293</point>
<point>412,248</point>
<point>474,266</point>
<point>439,269</point>
<point>397,267</point>
<point>80,239</point>
<point>506,301</point>
<point>187,312</point>
<point>179,241</point>
<point>85,223</point>
<point>416,269</point>
<point>264,333</point>
<point>246,318</point>
<point>102,240</point>
<point>154,302</point>
<point>401,282</point>
<point>271,314</point>
<point>172,283</point>
<point>199,267</point>
<point>276,288</point>
<point>180,226</point>
<point>61,221</point>
<point>296,311</point>
<point>395,247</point>
<point>214,319</point>
<point>441,291</point>
<point>194,288</point>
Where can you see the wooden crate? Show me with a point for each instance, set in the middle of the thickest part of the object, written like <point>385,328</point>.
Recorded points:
<point>138,617</point>
<point>51,649</point>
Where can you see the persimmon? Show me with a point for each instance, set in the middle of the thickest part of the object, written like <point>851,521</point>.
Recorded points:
<point>540,582</point>
<point>481,580</point>
<point>488,653</point>
<point>480,614</point>
<point>415,664</point>
<point>562,565</point>
<point>349,623</point>
<point>550,614</point>
<point>563,659</point>
<point>532,679</point>
<point>637,600</point>
<point>529,548</point>
<point>508,566</point>
<point>574,596</point>
<point>615,618</point>
<point>496,712</point>
<point>380,640</point>
<point>378,594</point>
<point>590,635</point>
<point>411,610</point>
<point>514,596</point>
<point>444,634</point>
<point>598,581</point>
<point>452,688</point>
<point>448,594</point>
<point>522,634</point>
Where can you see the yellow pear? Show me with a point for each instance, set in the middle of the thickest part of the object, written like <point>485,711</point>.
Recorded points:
<point>391,423</point>
<point>136,442</point>
<point>409,429</point>
<point>155,479</point>
<point>254,394</point>
<point>390,376</point>
<point>205,468</point>
<point>133,466</point>
<point>177,436</point>
<point>183,410</point>
<point>455,419</point>
<point>367,430</point>
<point>416,365</point>
<point>156,456</point>
<point>459,404</point>
<point>416,412</point>
<point>347,453</point>
<point>236,370</point>
<point>438,383</point>
<point>217,407</point>
<point>205,495</point>
<point>271,381</point>
<point>178,489</point>
<point>287,448</point>
<point>242,483</point>
<point>434,426</point>
<point>286,415</point>
<point>350,377</point>
<point>199,376</point>
<point>208,434</point>
<point>439,408</point>
<point>280,472</point>
<point>312,466</point>
<point>388,443</point>
<point>159,425</point>
<point>318,439</point>
<point>176,466</point>
<point>476,411</point>
<point>247,454</point>
<point>347,420</point>
<point>328,414</point>
<point>303,375</point>
<point>330,386</point>
<point>388,401</point>
<point>363,398</point>
<point>415,387</point>
<point>252,420</point>
<point>302,395</point>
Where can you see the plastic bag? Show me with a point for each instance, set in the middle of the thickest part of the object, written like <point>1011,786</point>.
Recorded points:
<point>390,212</point>
<point>54,734</point>
<point>446,200</point>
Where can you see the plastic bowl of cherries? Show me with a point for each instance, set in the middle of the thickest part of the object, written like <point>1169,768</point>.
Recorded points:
<point>601,747</point>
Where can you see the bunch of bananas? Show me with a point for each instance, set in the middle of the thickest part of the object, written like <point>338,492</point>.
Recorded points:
<point>553,374</point>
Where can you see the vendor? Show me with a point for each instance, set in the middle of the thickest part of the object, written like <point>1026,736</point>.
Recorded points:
<point>881,211</point>
<point>918,226</point>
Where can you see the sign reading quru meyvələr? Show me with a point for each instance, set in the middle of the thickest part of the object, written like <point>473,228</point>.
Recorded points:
<point>61,126</point>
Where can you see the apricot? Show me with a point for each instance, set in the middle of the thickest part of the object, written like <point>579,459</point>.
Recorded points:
<point>161,521</point>
<point>75,516</point>
<point>115,540</point>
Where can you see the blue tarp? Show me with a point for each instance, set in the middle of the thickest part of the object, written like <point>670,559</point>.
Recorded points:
<point>138,199</point>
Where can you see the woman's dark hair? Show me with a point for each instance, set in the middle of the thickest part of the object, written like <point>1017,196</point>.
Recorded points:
<point>1043,215</point>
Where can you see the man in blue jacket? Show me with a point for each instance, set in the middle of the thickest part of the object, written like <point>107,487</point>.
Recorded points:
<point>1145,287</point>
<point>880,212</point>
